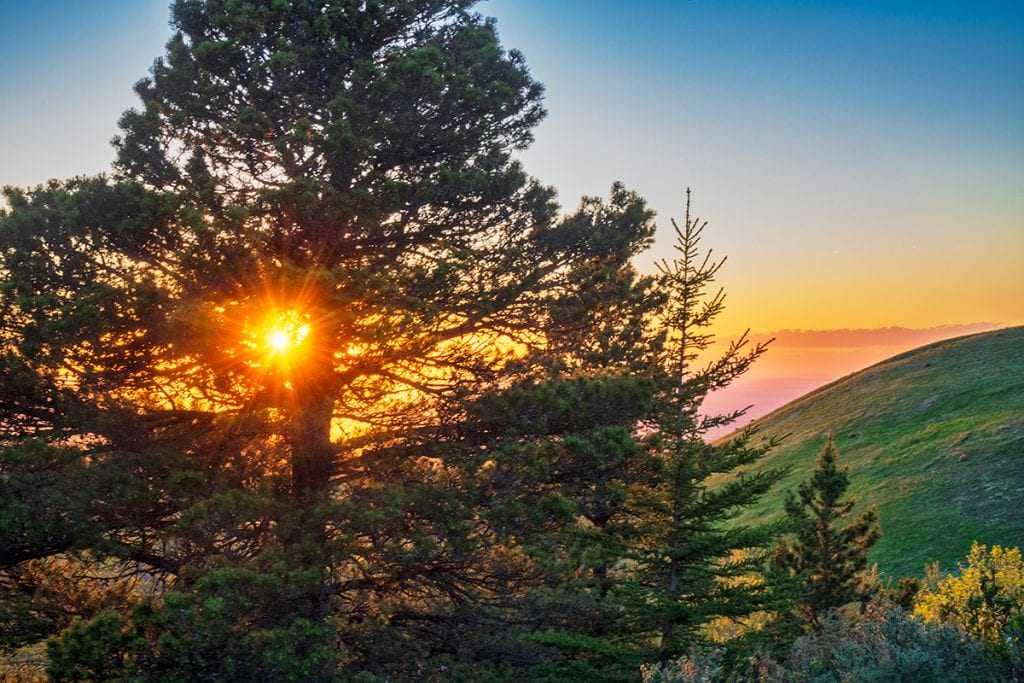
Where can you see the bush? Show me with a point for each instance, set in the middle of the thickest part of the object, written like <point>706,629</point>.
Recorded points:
<point>702,665</point>
<point>986,599</point>
<point>886,644</point>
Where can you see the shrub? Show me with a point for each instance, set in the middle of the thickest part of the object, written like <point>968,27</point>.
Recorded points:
<point>985,599</point>
<point>886,644</point>
<point>702,665</point>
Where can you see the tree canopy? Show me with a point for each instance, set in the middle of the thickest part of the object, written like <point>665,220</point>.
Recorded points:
<point>338,169</point>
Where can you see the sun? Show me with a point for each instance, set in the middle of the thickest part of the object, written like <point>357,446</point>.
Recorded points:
<point>284,333</point>
<point>279,340</point>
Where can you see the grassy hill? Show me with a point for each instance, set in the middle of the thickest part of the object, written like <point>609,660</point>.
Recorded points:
<point>933,437</point>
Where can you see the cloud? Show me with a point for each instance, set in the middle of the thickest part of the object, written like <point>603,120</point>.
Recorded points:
<point>881,336</point>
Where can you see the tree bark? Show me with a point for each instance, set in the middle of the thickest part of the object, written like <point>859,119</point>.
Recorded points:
<point>312,453</point>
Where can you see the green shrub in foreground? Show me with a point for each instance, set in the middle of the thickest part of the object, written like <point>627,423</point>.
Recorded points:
<point>887,644</point>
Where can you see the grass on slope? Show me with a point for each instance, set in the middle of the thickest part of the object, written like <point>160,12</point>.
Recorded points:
<point>933,437</point>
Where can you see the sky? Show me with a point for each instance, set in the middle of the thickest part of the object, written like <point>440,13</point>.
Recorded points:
<point>861,164</point>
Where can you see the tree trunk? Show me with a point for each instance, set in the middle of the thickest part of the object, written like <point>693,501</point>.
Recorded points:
<point>312,453</point>
<point>672,589</point>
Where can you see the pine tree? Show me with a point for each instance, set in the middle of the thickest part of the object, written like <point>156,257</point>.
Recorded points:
<point>249,366</point>
<point>654,554</point>
<point>694,564</point>
<point>830,559</point>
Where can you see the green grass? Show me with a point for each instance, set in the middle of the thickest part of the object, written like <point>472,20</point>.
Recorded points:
<point>934,438</point>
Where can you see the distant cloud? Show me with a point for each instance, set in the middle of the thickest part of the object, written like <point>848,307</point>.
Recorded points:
<point>882,336</point>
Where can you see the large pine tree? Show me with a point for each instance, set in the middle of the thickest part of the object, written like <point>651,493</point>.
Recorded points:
<point>255,370</point>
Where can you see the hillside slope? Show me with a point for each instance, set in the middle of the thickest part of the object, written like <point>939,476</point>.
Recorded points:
<point>933,437</point>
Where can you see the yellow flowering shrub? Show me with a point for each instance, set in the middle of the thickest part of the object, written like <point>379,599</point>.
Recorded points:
<point>986,598</point>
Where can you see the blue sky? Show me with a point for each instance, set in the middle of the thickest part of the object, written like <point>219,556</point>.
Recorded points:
<point>822,140</point>
<point>66,74</point>
<point>862,164</point>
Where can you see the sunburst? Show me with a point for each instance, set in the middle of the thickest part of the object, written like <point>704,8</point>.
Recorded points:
<point>284,334</point>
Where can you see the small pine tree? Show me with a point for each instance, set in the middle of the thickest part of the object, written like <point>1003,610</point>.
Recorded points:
<point>647,550</point>
<point>832,560</point>
<point>690,563</point>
